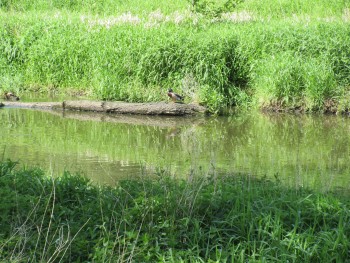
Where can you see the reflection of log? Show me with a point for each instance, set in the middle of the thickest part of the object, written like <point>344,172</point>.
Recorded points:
<point>157,108</point>
<point>158,121</point>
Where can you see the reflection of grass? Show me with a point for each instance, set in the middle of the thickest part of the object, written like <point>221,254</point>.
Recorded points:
<point>235,218</point>
<point>298,148</point>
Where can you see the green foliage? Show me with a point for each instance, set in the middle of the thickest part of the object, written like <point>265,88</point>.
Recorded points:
<point>298,66</point>
<point>296,82</point>
<point>226,218</point>
<point>289,60</point>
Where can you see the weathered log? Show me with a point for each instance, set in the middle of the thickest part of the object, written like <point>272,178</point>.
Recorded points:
<point>84,105</point>
<point>157,108</point>
<point>33,105</point>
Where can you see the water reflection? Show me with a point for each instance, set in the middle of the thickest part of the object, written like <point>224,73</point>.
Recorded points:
<point>298,149</point>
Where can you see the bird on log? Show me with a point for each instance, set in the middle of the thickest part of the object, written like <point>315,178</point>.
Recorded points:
<point>175,97</point>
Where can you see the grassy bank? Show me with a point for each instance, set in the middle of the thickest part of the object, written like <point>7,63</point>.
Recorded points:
<point>160,219</point>
<point>298,57</point>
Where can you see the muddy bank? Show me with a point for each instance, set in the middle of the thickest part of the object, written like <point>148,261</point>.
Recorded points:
<point>156,108</point>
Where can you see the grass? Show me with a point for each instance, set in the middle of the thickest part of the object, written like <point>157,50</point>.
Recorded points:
<point>280,9</point>
<point>231,218</point>
<point>266,54</point>
<point>102,7</point>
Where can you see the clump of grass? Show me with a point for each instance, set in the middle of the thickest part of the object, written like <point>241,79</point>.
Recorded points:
<point>159,218</point>
<point>297,65</point>
<point>297,82</point>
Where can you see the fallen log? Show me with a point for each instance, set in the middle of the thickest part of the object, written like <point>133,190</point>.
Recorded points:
<point>33,105</point>
<point>155,108</point>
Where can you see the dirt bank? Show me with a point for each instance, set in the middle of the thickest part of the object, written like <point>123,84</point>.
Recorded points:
<point>156,108</point>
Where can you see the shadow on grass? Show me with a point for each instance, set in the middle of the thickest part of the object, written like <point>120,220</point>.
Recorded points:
<point>234,218</point>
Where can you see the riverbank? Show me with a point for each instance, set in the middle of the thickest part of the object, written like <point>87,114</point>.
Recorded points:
<point>234,217</point>
<point>249,58</point>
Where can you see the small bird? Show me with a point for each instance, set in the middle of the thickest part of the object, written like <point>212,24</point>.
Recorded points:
<point>10,96</point>
<point>175,97</point>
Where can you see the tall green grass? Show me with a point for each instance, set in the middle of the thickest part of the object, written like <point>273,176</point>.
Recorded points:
<point>131,63</point>
<point>283,62</point>
<point>278,9</point>
<point>233,218</point>
<point>105,7</point>
<point>263,9</point>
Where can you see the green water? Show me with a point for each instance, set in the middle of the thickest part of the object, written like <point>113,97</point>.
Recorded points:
<point>302,150</point>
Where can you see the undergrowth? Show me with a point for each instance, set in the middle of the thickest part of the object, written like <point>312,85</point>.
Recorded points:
<point>232,218</point>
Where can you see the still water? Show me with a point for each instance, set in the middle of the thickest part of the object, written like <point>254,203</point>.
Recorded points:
<point>302,150</point>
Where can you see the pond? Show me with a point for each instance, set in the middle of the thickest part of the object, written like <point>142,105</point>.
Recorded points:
<point>301,150</point>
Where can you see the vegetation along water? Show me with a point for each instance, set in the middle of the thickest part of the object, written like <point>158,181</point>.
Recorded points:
<point>205,201</point>
<point>163,219</point>
<point>279,54</point>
